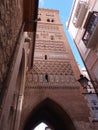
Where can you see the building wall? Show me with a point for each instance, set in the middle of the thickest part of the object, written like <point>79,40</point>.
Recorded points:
<point>54,75</point>
<point>15,46</point>
<point>89,55</point>
<point>11,19</point>
<point>11,13</point>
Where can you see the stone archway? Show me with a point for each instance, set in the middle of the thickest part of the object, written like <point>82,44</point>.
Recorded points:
<point>50,113</point>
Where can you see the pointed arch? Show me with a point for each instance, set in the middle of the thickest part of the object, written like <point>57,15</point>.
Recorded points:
<point>50,113</point>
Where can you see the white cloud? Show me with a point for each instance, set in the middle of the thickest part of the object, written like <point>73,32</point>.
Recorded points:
<point>41,3</point>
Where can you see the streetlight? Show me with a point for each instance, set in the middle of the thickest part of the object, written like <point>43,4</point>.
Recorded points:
<point>91,97</point>
<point>85,83</point>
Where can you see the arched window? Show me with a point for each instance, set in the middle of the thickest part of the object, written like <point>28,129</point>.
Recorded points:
<point>52,20</point>
<point>46,77</point>
<point>45,57</point>
<point>48,20</point>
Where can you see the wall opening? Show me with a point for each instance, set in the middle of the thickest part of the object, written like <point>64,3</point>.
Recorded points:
<point>46,77</point>
<point>45,57</point>
<point>51,114</point>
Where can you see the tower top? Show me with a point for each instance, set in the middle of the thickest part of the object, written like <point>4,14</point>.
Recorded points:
<point>50,10</point>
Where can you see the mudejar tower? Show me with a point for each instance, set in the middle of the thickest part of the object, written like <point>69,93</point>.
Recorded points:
<point>52,92</point>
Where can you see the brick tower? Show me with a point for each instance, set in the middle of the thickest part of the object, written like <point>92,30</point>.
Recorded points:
<point>52,93</point>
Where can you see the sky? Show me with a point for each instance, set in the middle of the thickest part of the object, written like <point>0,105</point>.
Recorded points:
<point>64,7</point>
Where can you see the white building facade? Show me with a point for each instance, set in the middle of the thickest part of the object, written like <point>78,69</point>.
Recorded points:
<point>83,27</point>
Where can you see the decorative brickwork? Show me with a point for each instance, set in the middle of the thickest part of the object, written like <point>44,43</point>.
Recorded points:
<point>48,45</point>
<point>52,64</point>
<point>57,72</point>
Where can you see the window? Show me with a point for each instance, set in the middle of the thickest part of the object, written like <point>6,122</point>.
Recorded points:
<point>52,20</point>
<point>46,77</point>
<point>45,57</point>
<point>48,20</point>
<point>90,26</point>
<point>80,13</point>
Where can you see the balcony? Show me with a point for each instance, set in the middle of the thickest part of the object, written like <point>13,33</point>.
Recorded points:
<point>80,13</point>
<point>90,37</point>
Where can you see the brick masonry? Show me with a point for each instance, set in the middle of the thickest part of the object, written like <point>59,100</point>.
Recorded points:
<point>11,12</point>
<point>54,74</point>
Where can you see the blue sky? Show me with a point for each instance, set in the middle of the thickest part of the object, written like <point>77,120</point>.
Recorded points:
<point>64,7</point>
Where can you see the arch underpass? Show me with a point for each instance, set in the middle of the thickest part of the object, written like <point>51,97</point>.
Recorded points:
<point>50,113</point>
